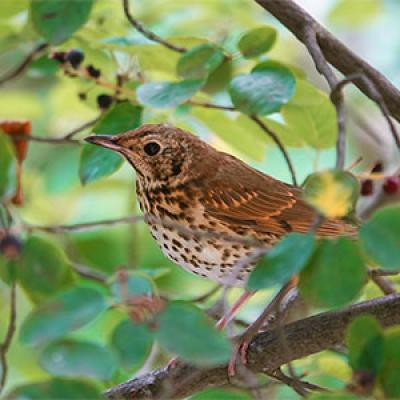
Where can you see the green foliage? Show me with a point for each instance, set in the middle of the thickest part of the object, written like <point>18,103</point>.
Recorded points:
<point>333,193</point>
<point>185,331</point>
<point>97,162</point>
<point>284,260</point>
<point>199,62</point>
<point>334,275</point>
<point>56,388</point>
<point>221,394</point>
<point>264,91</point>
<point>65,312</point>
<point>57,20</point>
<point>76,359</point>
<point>43,268</point>
<point>257,41</point>
<point>132,343</point>
<point>167,94</point>
<point>380,237</point>
<point>365,342</point>
<point>389,376</point>
<point>7,167</point>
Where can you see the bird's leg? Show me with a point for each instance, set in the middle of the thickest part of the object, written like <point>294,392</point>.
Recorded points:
<point>272,308</point>
<point>221,324</point>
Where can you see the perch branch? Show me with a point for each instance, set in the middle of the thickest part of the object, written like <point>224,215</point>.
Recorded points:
<point>145,32</point>
<point>304,337</point>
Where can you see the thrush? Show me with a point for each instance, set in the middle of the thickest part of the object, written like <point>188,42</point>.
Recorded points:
<point>185,187</point>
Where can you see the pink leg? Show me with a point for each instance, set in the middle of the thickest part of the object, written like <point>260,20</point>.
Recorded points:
<point>221,324</point>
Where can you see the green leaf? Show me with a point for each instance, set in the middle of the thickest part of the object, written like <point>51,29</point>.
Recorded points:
<point>167,94</point>
<point>75,358</point>
<point>264,91</point>
<point>311,116</point>
<point>132,343</point>
<point>63,313</point>
<point>389,375</point>
<point>186,331</point>
<point>57,20</point>
<point>333,193</point>
<point>219,79</point>
<point>56,388</point>
<point>257,41</point>
<point>334,275</point>
<point>220,394</point>
<point>380,237</point>
<point>199,62</point>
<point>7,167</point>
<point>283,261</point>
<point>97,162</point>
<point>354,13</point>
<point>365,342</point>
<point>43,268</point>
<point>332,396</point>
<point>136,284</point>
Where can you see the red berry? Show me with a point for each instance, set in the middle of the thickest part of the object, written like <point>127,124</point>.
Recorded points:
<point>10,247</point>
<point>391,185</point>
<point>367,187</point>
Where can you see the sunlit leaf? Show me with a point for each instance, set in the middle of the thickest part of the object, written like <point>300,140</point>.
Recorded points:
<point>76,359</point>
<point>56,388</point>
<point>380,237</point>
<point>332,192</point>
<point>184,330</point>
<point>7,167</point>
<point>264,91</point>
<point>199,62</point>
<point>57,20</point>
<point>43,268</point>
<point>334,275</point>
<point>283,261</point>
<point>219,79</point>
<point>132,343</point>
<point>65,312</point>
<point>389,375</point>
<point>97,162</point>
<point>167,94</point>
<point>365,341</point>
<point>257,41</point>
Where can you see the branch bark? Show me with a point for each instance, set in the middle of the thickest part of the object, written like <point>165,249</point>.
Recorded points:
<point>265,354</point>
<point>299,22</point>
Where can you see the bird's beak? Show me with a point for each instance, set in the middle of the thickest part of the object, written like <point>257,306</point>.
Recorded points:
<point>107,141</point>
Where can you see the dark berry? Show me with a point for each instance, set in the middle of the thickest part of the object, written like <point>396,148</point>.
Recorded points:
<point>75,58</point>
<point>378,167</point>
<point>367,187</point>
<point>93,72</point>
<point>104,101</point>
<point>391,185</point>
<point>59,56</point>
<point>82,96</point>
<point>10,247</point>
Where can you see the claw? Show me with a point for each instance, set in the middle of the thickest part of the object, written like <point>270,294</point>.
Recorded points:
<point>172,363</point>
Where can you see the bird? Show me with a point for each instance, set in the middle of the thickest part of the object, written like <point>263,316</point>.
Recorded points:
<point>210,212</point>
<point>185,186</point>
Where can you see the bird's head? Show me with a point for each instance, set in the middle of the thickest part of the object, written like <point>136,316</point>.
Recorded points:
<point>160,154</point>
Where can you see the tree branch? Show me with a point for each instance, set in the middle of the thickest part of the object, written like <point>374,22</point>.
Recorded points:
<point>145,32</point>
<point>24,64</point>
<point>265,354</point>
<point>298,21</point>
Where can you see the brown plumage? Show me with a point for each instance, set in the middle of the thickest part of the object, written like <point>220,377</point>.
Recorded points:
<point>182,181</point>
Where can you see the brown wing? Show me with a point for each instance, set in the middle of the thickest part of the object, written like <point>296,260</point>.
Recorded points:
<point>246,198</point>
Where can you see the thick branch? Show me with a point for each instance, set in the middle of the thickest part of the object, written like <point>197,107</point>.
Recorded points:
<point>304,337</point>
<point>298,21</point>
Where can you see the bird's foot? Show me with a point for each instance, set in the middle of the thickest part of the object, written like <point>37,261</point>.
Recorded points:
<point>172,363</point>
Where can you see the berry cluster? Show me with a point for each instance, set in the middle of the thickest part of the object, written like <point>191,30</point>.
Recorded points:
<point>391,184</point>
<point>74,58</point>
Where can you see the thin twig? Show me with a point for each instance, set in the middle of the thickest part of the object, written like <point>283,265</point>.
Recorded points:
<point>50,140</point>
<point>83,226</point>
<point>206,295</point>
<point>278,142</point>
<point>147,33</point>
<point>311,42</point>
<point>4,347</point>
<point>24,64</point>
<point>82,127</point>
<point>89,273</point>
<point>210,105</point>
<point>383,283</point>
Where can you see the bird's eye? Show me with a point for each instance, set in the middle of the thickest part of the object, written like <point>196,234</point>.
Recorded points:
<point>152,148</point>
